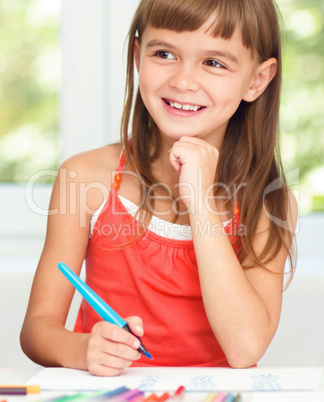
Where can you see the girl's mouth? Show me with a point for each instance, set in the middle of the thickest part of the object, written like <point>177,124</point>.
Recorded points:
<point>186,107</point>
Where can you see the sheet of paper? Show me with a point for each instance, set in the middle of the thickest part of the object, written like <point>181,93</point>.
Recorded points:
<point>194,379</point>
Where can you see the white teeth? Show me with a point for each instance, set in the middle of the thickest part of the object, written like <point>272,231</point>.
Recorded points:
<point>184,107</point>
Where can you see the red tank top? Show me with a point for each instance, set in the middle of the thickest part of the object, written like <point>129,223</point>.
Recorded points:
<point>153,277</point>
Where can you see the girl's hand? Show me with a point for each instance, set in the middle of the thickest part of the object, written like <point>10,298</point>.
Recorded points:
<point>111,349</point>
<point>196,161</point>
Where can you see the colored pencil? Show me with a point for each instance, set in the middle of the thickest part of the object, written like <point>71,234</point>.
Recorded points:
<point>131,395</point>
<point>220,397</point>
<point>104,395</point>
<point>128,395</point>
<point>151,398</point>
<point>138,398</point>
<point>109,394</point>
<point>71,398</point>
<point>98,304</point>
<point>164,397</point>
<point>181,390</point>
<point>210,397</point>
<point>19,389</point>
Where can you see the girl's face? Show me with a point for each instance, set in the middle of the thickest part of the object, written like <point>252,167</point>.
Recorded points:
<point>191,82</point>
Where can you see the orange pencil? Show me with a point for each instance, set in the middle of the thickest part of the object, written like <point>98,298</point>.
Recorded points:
<point>164,397</point>
<point>150,398</point>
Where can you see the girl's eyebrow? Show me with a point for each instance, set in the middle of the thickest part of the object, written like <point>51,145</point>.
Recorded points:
<point>154,43</point>
<point>210,53</point>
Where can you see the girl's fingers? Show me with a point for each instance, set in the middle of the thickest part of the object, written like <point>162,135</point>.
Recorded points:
<point>136,325</point>
<point>108,365</point>
<point>175,161</point>
<point>115,334</point>
<point>111,355</point>
<point>196,162</point>
<point>110,349</point>
<point>119,350</point>
<point>116,356</point>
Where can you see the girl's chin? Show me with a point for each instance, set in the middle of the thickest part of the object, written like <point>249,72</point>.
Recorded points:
<point>176,135</point>
<point>212,138</point>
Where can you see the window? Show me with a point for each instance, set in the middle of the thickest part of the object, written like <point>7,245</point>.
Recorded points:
<point>30,81</point>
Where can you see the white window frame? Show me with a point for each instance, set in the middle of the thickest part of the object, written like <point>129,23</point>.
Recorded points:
<point>92,40</point>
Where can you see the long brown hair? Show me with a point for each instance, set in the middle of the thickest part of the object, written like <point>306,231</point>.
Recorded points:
<point>250,151</point>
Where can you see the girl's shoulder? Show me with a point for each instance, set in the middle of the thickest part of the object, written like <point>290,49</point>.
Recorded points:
<point>94,165</point>
<point>91,173</point>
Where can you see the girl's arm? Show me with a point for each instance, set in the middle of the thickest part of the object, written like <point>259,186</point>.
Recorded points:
<point>108,349</point>
<point>242,306</point>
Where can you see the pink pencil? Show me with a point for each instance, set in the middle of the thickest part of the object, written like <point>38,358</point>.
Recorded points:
<point>220,397</point>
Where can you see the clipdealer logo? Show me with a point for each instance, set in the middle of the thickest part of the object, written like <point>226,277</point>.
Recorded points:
<point>73,197</point>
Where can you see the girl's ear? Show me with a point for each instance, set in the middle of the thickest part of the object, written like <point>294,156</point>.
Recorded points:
<point>137,54</point>
<point>262,78</point>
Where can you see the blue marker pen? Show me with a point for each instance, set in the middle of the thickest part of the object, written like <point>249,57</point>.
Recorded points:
<point>101,307</point>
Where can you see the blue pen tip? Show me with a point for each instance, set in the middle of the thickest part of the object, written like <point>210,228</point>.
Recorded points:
<point>148,354</point>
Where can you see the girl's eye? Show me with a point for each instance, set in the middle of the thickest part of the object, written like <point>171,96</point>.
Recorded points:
<point>213,63</point>
<point>164,55</point>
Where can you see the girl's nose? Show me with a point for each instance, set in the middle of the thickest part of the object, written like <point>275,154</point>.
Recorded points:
<point>184,78</point>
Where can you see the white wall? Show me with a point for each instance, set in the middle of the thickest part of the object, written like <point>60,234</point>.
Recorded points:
<point>93,36</point>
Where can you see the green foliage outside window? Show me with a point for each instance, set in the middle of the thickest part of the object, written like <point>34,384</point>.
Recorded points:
<point>29,85</point>
<point>302,111</point>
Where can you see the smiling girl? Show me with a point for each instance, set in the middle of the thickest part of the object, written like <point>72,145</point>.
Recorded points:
<point>186,225</point>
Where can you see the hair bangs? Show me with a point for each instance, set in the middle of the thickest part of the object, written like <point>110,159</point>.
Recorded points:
<point>190,15</point>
